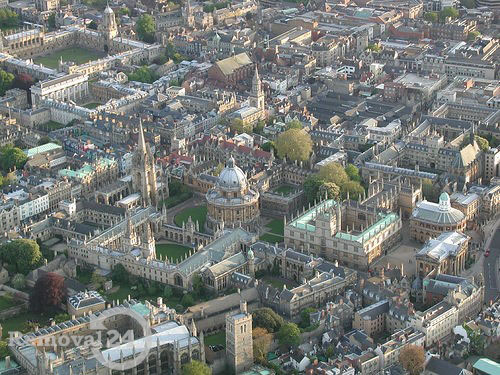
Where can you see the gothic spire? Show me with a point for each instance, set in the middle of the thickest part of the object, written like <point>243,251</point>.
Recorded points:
<point>141,143</point>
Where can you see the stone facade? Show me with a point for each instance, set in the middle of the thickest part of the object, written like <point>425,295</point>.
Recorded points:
<point>239,342</point>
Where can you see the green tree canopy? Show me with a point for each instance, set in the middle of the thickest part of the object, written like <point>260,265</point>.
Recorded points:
<point>448,12</point>
<point>483,143</point>
<point>305,317</point>
<point>294,124</point>
<point>473,35</point>
<point>18,281</point>
<point>12,157</point>
<point>8,18</point>
<point>268,319</point>
<point>333,172</point>
<point>143,74</point>
<point>196,368</point>
<point>119,274</point>
<point>22,255</point>
<point>187,300</point>
<point>146,28</point>
<point>289,335</point>
<point>353,172</point>
<point>294,144</point>
<point>4,349</point>
<point>6,80</point>
<point>429,191</point>
<point>237,126</point>
<point>431,17</point>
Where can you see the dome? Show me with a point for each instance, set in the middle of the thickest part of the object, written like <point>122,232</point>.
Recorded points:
<point>108,10</point>
<point>444,201</point>
<point>232,177</point>
<point>250,254</point>
<point>444,196</point>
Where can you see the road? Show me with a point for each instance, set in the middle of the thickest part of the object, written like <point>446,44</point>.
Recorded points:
<point>491,265</point>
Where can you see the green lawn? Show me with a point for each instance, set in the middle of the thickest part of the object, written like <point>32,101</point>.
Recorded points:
<point>50,126</point>
<point>83,275</point>
<point>174,200</point>
<point>216,339</point>
<point>276,282</point>
<point>276,226</point>
<point>20,323</point>
<point>76,54</point>
<point>285,189</point>
<point>92,105</point>
<point>171,250</point>
<point>198,213</point>
<point>272,238</point>
<point>6,302</point>
<point>122,293</point>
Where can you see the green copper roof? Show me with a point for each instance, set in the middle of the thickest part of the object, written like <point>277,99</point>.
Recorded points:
<point>40,149</point>
<point>305,221</point>
<point>487,366</point>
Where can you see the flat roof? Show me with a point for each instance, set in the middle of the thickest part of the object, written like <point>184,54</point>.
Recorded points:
<point>41,149</point>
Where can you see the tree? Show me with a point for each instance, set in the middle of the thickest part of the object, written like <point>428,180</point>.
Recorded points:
<point>374,47</point>
<point>431,17</point>
<point>18,281</point>
<point>268,146</point>
<point>143,74</point>
<point>49,292</point>
<point>333,172</point>
<point>187,300</point>
<point>353,172</point>
<point>52,21</point>
<point>259,128</point>
<point>218,169</point>
<point>22,255</point>
<point>196,368</point>
<point>124,11</point>
<point>483,143</point>
<point>429,191</point>
<point>412,357</point>
<point>146,28</point>
<point>237,126</point>
<point>294,144</point>
<point>311,187</point>
<point>97,279</point>
<point>476,340</point>
<point>11,157</point>
<point>267,319</point>
<point>93,25</point>
<point>119,274</point>
<point>294,124</point>
<point>44,140</point>
<point>289,335</point>
<point>473,35</point>
<point>60,318</point>
<point>354,189</point>
<point>305,317</point>
<point>4,349</point>
<point>198,285</point>
<point>6,80</point>
<point>23,81</point>
<point>167,292</point>
<point>262,341</point>
<point>8,18</point>
<point>448,12</point>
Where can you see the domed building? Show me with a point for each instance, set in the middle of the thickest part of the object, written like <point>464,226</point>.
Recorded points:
<point>429,220</point>
<point>232,203</point>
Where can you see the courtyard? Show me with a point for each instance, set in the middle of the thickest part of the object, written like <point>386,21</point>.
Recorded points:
<point>273,231</point>
<point>197,213</point>
<point>285,189</point>
<point>75,54</point>
<point>173,251</point>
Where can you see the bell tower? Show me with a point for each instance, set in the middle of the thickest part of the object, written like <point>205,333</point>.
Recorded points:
<point>257,95</point>
<point>108,28</point>
<point>144,172</point>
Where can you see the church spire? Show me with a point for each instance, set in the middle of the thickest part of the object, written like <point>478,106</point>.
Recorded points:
<point>141,143</point>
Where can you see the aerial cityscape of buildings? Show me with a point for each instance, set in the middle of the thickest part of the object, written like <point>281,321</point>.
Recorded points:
<point>250,187</point>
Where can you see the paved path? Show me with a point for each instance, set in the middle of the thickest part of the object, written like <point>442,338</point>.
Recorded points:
<point>491,263</point>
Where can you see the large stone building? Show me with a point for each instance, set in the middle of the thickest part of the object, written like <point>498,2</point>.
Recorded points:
<point>354,234</point>
<point>232,202</point>
<point>444,254</point>
<point>239,341</point>
<point>431,219</point>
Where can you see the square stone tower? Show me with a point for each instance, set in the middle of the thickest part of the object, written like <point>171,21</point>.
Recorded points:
<point>239,342</point>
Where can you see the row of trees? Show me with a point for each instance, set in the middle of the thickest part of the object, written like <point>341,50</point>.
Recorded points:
<point>441,16</point>
<point>334,182</point>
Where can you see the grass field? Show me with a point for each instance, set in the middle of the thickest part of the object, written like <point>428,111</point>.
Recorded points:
<point>276,226</point>
<point>20,322</point>
<point>198,213</point>
<point>6,302</point>
<point>216,339</point>
<point>75,54</point>
<point>271,238</point>
<point>122,293</point>
<point>285,189</point>
<point>50,126</point>
<point>83,275</point>
<point>92,105</point>
<point>276,282</point>
<point>171,250</point>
